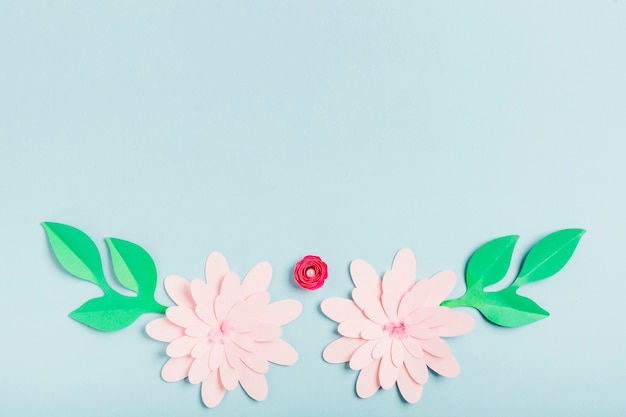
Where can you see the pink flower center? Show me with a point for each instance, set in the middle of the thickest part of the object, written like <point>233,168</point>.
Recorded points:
<point>222,331</point>
<point>397,329</point>
<point>310,272</point>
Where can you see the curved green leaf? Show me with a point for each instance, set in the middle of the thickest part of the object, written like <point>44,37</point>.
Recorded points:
<point>133,266</point>
<point>76,252</point>
<point>109,313</point>
<point>548,256</point>
<point>507,308</point>
<point>490,263</point>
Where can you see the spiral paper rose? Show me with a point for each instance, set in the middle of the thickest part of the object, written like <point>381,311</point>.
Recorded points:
<point>310,272</point>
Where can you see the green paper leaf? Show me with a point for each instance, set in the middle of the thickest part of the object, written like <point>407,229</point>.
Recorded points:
<point>549,256</point>
<point>75,251</point>
<point>111,312</point>
<point>509,309</point>
<point>490,263</point>
<point>133,267</point>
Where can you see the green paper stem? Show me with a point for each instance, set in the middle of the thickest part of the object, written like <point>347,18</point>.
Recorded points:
<point>490,263</point>
<point>134,269</point>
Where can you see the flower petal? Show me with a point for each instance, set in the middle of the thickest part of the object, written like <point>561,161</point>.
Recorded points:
<point>364,276</point>
<point>390,301</point>
<point>228,296</point>
<point>244,341</point>
<point>362,357</point>
<point>253,383</point>
<point>206,313</point>
<point>232,353</point>
<point>280,352</point>
<point>201,349</point>
<point>410,390</point>
<point>342,349</point>
<point>178,290</point>
<point>258,279</point>
<point>201,292</point>
<point>370,304</point>
<point>421,333</point>
<point>374,331</point>
<point>282,312</point>
<point>436,347</point>
<point>353,328</point>
<point>443,284</point>
<point>383,347</point>
<point>387,372</point>
<point>215,270</point>
<point>199,370</point>
<point>413,347</point>
<point>217,356</point>
<point>212,390</point>
<point>253,306</point>
<point>437,317</point>
<point>415,298</point>
<point>340,309</point>
<point>419,315</point>
<point>458,323</point>
<point>230,284</point>
<point>404,269</point>
<point>397,352</point>
<point>176,369</point>
<point>266,332</point>
<point>416,368</point>
<point>228,377</point>
<point>367,383</point>
<point>256,362</point>
<point>182,316</point>
<point>443,366</point>
<point>181,347</point>
<point>198,330</point>
<point>164,330</point>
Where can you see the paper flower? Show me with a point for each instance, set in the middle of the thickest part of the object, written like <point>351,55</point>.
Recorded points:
<point>392,330</point>
<point>310,272</point>
<point>223,331</point>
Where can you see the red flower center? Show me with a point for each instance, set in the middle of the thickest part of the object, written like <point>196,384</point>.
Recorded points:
<point>397,329</point>
<point>310,272</point>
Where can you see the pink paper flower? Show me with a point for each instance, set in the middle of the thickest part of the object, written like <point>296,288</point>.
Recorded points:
<point>223,331</point>
<point>310,272</point>
<point>392,330</point>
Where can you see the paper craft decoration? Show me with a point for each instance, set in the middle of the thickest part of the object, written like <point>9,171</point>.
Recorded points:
<point>310,272</point>
<point>392,328</point>
<point>133,267</point>
<point>223,332</point>
<point>490,263</point>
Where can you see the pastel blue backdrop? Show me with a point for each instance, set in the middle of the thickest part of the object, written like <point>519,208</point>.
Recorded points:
<point>269,130</point>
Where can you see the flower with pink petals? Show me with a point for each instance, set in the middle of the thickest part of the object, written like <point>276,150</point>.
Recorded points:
<point>392,328</point>
<point>223,331</point>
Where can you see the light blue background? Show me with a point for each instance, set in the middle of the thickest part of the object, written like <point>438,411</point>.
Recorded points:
<point>269,130</point>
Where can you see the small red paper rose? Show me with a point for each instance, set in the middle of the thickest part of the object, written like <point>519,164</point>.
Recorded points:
<point>310,272</point>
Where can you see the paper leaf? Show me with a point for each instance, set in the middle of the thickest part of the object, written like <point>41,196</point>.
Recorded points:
<point>490,263</point>
<point>110,312</point>
<point>133,267</point>
<point>549,256</point>
<point>509,309</point>
<point>75,251</point>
